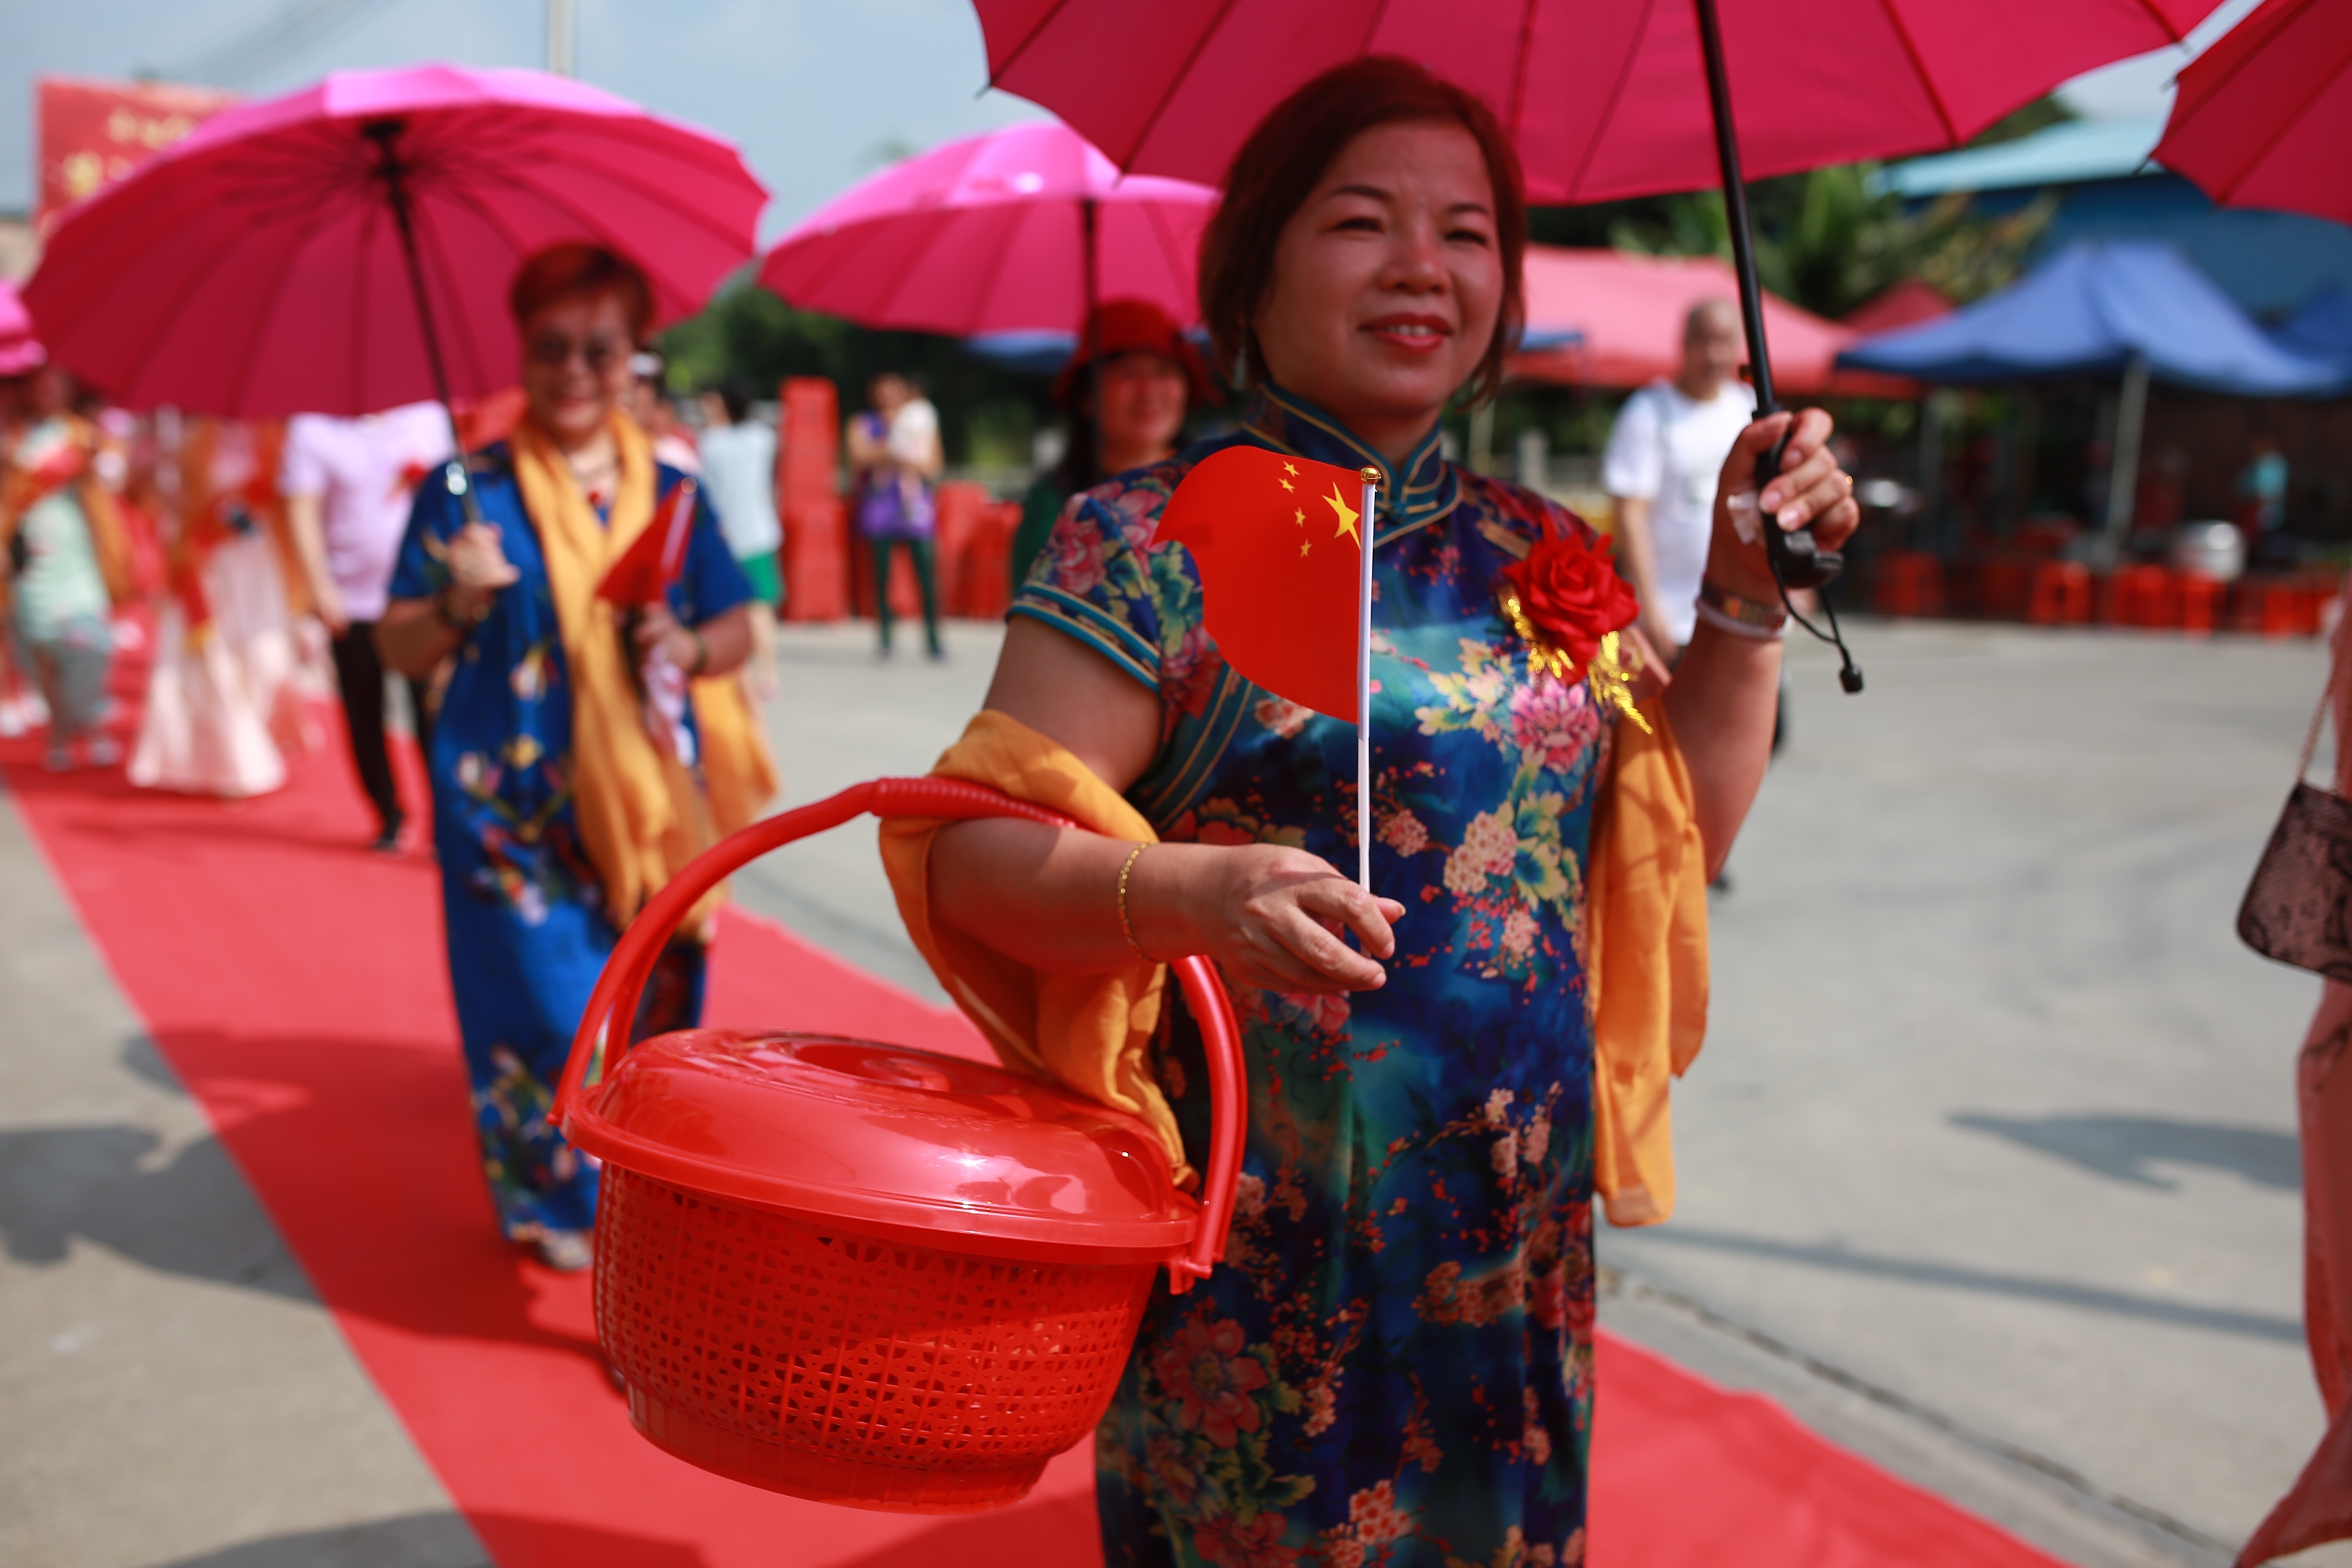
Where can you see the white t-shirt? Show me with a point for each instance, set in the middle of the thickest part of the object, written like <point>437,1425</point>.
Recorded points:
<point>914,431</point>
<point>1668,450</point>
<point>739,468</point>
<point>365,472</point>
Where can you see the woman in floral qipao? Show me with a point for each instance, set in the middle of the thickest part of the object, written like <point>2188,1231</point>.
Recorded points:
<point>557,809</point>
<point>1394,1366</point>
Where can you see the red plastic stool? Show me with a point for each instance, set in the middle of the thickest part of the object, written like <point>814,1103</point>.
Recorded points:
<point>1909,583</point>
<point>2144,596</point>
<point>2002,588</point>
<point>2200,599</point>
<point>2060,594</point>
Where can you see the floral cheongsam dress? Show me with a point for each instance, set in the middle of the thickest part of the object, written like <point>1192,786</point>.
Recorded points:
<point>1394,1365</point>
<point>527,930</point>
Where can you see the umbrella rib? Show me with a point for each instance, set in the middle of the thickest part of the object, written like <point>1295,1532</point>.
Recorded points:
<point>995,76</point>
<point>354,394</point>
<point>1003,254</point>
<point>196,278</point>
<point>1893,15</point>
<point>1616,92</point>
<point>304,231</point>
<point>2285,123</point>
<point>1152,121</point>
<point>1519,77</point>
<point>428,242</point>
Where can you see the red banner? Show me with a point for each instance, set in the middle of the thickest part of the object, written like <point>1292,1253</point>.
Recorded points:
<point>94,132</point>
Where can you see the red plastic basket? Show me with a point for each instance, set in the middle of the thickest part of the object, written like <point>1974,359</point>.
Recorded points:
<point>914,1348</point>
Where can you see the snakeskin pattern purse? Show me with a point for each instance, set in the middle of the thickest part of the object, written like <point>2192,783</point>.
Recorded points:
<point>2299,909</point>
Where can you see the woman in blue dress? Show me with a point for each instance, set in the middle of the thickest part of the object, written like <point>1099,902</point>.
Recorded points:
<point>567,777</point>
<point>1394,1365</point>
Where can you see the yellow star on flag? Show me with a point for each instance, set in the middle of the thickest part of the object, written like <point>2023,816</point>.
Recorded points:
<point>1298,517</point>
<point>1347,514</point>
<point>1290,468</point>
<point>1285,484</point>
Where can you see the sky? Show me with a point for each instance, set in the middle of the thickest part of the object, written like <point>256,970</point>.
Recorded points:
<point>816,92</point>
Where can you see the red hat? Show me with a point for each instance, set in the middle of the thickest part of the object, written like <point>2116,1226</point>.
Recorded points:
<point>1130,326</point>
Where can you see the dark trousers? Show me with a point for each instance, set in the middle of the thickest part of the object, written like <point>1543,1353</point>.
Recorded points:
<point>360,673</point>
<point>918,550</point>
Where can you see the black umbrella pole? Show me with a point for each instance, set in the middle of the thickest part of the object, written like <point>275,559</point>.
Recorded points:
<point>1795,559</point>
<point>394,173</point>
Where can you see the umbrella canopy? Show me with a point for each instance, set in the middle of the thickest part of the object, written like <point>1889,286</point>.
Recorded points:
<point>2263,117</point>
<point>2096,310</point>
<point>1604,98</point>
<point>988,234</point>
<point>2321,328</point>
<point>20,351</point>
<point>1620,321</point>
<point>255,268</point>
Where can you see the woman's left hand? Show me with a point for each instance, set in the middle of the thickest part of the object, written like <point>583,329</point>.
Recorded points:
<point>658,628</point>
<point>1810,489</point>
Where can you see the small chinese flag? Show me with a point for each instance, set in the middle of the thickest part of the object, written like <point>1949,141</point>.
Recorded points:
<point>1278,542</point>
<point>655,557</point>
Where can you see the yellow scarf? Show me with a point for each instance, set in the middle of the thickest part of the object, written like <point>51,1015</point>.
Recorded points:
<point>642,815</point>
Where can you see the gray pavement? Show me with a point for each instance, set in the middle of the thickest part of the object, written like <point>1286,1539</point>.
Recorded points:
<point>171,1394</point>
<point>1988,1170</point>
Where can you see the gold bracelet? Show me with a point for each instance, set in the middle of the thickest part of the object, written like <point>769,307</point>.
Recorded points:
<point>1125,929</point>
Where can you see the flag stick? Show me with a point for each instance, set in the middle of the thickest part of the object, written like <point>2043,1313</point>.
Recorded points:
<point>1371,520</point>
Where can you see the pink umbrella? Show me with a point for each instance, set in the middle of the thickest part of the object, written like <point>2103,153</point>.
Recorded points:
<point>2264,116</point>
<point>1604,98</point>
<point>1016,230</point>
<point>19,350</point>
<point>279,259</point>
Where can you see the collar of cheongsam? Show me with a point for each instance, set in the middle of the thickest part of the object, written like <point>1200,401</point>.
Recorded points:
<point>1426,489</point>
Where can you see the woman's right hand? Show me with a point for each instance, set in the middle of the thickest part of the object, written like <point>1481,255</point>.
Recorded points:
<point>479,566</point>
<point>1271,917</point>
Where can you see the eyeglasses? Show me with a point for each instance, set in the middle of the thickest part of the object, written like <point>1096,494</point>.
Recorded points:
<point>599,354</point>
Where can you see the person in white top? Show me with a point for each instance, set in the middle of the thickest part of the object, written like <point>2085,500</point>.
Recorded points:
<point>348,484</point>
<point>1664,456</point>
<point>738,469</point>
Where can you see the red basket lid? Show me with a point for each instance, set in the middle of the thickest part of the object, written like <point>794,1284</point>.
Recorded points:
<point>886,1138</point>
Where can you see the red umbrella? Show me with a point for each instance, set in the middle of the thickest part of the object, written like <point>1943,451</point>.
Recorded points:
<point>278,260</point>
<point>1010,231</point>
<point>1604,98</point>
<point>2264,118</point>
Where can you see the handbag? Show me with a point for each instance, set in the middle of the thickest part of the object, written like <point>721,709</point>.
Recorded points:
<point>2298,908</point>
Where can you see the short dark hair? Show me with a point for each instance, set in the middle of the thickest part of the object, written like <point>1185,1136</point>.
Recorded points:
<point>574,269</point>
<point>735,397</point>
<point>1290,151</point>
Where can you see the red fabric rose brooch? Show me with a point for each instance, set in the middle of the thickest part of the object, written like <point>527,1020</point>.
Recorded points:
<point>1567,603</point>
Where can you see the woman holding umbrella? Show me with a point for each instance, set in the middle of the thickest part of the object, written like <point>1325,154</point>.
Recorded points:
<point>557,808</point>
<point>1395,1363</point>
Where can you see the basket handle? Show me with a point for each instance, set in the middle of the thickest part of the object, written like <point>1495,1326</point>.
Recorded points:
<point>640,947</point>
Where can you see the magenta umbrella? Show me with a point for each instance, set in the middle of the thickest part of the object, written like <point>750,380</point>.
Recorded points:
<point>1604,97</point>
<point>1015,230</point>
<point>2264,118</point>
<point>20,351</point>
<point>348,247</point>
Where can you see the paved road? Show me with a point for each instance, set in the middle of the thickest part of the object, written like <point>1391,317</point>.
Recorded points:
<point>1988,1170</point>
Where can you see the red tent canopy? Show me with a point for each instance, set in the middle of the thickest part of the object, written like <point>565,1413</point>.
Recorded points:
<point>1627,312</point>
<point>1906,304</point>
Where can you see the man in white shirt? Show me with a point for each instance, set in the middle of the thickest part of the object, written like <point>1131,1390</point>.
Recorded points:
<point>1664,457</point>
<point>348,484</point>
<point>739,470</point>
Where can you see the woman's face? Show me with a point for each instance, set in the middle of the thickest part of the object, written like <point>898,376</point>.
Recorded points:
<point>1388,281</point>
<point>575,364</point>
<point>1141,397</point>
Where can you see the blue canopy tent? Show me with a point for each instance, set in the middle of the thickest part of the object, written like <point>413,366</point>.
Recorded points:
<point>2129,308</point>
<point>2321,328</point>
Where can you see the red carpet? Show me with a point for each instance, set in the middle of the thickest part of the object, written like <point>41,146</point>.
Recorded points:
<point>296,983</point>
